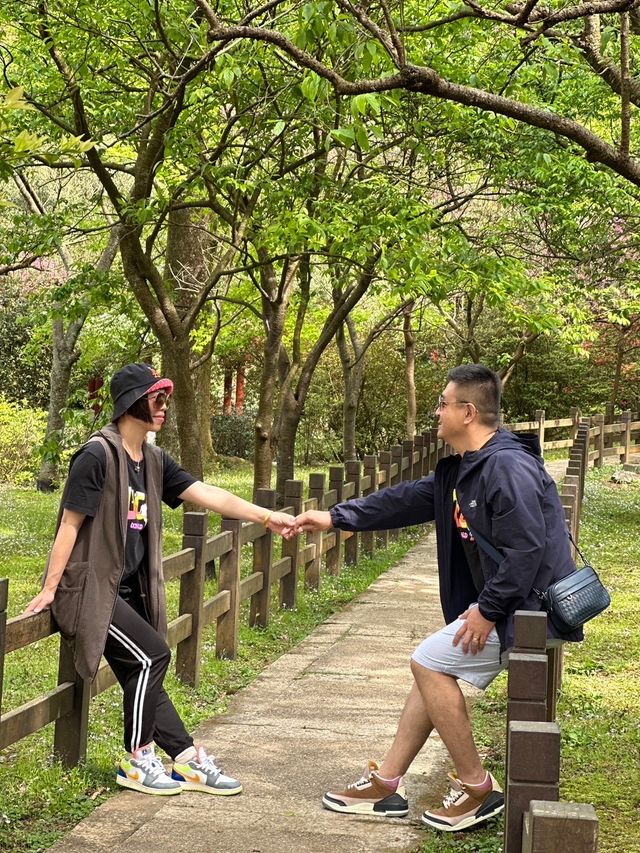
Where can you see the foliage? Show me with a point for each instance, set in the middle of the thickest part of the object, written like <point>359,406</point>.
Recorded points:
<point>21,430</point>
<point>25,368</point>
<point>233,434</point>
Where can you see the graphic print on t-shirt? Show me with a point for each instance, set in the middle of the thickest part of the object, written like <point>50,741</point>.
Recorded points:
<point>460,522</point>
<point>137,514</point>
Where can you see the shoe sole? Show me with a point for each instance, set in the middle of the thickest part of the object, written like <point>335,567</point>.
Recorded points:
<point>143,789</point>
<point>489,810</point>
<point>394,806</point>
<point>207,789</point>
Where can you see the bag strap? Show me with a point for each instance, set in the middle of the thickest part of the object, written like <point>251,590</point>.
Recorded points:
<point>578,551</point>
<point>486,546</point>
<point>498,557</point>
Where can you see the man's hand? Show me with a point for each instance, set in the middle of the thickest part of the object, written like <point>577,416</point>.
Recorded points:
<point>312,521</point>
<point>474,632</point>
<point>41,602</point>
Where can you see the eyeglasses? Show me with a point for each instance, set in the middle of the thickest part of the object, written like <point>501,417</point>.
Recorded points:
<point>159,399</point>
<point>442,403</point>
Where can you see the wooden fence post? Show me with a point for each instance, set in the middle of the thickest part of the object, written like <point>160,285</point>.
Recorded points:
<point>386,461</point>
<point>599,423</point>
<point>625,418</point>
<point>333,555</point>
<point>560,828</point>
<point>227,626</point>
<point>418,447</point>
<point>533,774</point>
<point>312,569</point>
<point>4,597</point>
<point>189,651</point>
<point>260,610</point>
<point>70,731</point>
<point>396,459</point>
<point>609,418</point>
<point>370,470</point>
<point>539,417</point>
<point>352,545</point>
<point>426,453</point>
<point>574,414</point>
<point>293,491</point>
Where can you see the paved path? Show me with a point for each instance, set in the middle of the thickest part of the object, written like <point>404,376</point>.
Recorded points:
<point>309,722</point>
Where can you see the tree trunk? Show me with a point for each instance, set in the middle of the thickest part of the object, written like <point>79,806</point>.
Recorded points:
<point>240,390</point>
<point>202,381</point>
<point>288,423</point>
<point>228,391</point>
<point>64,357</point>
<point>176,354</point>
<point>352,375</point>
<point>410,370</point>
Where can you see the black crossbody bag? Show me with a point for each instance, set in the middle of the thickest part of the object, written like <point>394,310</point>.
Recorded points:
<point>569,602</point>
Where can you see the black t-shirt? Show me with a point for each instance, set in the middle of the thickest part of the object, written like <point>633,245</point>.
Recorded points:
<point>469,546</point>
<point>83,492</point>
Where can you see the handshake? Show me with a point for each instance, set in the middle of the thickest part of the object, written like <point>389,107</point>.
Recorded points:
<point>288,526</point>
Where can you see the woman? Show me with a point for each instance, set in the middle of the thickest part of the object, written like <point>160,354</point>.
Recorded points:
<point>104,581</point>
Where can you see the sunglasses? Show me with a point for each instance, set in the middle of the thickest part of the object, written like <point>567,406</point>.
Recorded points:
<point>161,398</point>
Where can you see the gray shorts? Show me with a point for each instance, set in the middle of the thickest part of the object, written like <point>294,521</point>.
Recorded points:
<point>438,654</point>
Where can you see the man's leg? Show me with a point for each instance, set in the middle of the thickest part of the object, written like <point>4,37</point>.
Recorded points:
<point>414,727</point>
<point>447,710</point>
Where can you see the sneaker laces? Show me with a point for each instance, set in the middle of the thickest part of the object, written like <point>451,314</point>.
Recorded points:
<point>207,762</point>
<point>456,791</point>
<point>151,764</point>
<point>365,778</point>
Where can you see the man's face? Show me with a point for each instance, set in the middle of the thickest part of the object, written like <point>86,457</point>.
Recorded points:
<point>451,412</point>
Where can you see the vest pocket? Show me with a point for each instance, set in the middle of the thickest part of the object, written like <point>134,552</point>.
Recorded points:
<point>65,607</point>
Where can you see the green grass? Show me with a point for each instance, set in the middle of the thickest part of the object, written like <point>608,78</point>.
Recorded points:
<point>599,711</point>
<point>39,800</point>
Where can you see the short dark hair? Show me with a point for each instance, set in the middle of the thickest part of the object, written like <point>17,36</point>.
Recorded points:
<point>140,410</point>
<point>480,386</point>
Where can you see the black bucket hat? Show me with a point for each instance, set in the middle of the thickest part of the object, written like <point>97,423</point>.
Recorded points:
<point>132,382</point>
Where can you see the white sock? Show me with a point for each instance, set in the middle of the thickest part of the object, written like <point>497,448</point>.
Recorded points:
<point>186,755</point>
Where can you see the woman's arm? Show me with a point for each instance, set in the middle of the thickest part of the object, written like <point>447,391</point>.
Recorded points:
<point>60,553</point>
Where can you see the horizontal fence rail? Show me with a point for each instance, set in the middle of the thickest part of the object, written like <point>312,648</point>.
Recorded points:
<point>276,566</point>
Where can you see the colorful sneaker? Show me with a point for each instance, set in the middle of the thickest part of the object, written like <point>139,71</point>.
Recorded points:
<point>200,773</point>
<point>143,772</point>
<point>369,795</point>
<point>466,805</point>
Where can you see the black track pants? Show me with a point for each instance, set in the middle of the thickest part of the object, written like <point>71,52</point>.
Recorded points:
<point>139,657</point>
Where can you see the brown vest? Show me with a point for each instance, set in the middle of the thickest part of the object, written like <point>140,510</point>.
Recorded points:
<point>86,596</point>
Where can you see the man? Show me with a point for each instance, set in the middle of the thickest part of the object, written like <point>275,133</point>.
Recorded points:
<point>104,581</point>
<point>495,486</point>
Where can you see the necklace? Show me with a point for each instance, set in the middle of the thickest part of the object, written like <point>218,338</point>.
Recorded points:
<point>135,462</point>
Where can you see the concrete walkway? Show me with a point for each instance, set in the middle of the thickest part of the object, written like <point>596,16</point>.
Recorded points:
<point>309,722</point>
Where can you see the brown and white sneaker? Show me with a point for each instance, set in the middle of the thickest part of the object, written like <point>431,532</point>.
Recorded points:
<point>466,805</point>
<point>369,795</point>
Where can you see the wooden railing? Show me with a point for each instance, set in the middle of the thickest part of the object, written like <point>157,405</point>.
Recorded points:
<point>67,704</point>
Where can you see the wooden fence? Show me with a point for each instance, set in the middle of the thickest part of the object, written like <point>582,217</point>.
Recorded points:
<point>67,704</point>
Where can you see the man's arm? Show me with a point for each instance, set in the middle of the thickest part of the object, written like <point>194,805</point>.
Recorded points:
<point>518,531</point>
<point>401,505</point>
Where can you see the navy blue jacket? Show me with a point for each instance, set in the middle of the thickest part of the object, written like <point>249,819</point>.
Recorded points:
<point>507,496</point>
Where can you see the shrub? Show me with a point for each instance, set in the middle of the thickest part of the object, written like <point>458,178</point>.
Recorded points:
<point>234,434</point>
<point>21,432</point>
